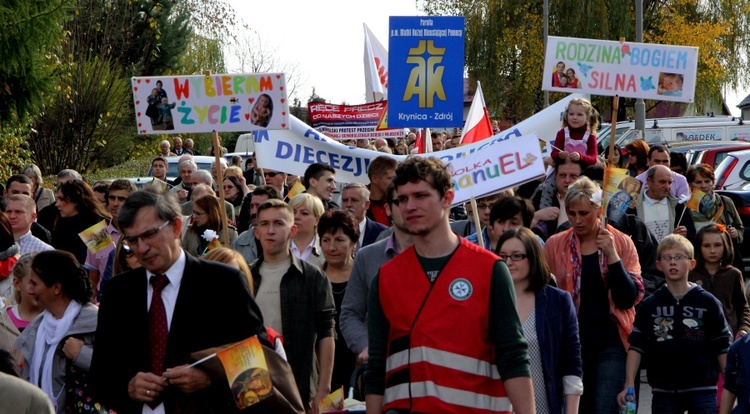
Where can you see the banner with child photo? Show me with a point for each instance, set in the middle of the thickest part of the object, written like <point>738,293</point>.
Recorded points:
<point>627,69</point>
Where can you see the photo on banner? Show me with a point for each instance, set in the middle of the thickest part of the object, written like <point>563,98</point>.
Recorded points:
<point>96,237</point>
<point>705,204</point>
<point>247,372</point>
<point>620,192</point>
<point>627,69</point>
<point>333,401</point>
<point>207,103</point>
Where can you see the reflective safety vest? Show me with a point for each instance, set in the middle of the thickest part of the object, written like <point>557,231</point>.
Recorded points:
<point>440,357</point>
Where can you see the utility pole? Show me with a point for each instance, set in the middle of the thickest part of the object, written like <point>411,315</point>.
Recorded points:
<point>546,34</point>
<point>640,106</point>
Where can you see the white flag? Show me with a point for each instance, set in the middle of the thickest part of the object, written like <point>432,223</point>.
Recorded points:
<point>376,68</point>
<point>427,141</point>
<point>478,124</point>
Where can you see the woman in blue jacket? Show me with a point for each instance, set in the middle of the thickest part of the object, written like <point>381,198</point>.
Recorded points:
<point>549,324</point>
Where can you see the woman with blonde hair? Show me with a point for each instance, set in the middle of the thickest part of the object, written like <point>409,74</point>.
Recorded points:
<point>233,259</point>
<point>235,171</point>
<point>306,244</point>
<point>599,268</point>
<point>15,318</point>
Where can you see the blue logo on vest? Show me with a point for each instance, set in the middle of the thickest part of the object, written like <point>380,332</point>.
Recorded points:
<point>460,289</point>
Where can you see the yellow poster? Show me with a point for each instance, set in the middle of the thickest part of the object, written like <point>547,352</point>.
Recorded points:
<point>297,188</point>
<point>247,372</point>
<point>161,185</point>
<point>699,201</point>
<point>96,237</point>
<point>620,192</point>
<point>332,402</point>
<point>704,204</point>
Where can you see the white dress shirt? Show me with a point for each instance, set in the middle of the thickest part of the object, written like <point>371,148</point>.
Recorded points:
<point>169,297</point>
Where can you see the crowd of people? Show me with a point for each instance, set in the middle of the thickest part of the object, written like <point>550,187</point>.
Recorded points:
<point>555,313</point>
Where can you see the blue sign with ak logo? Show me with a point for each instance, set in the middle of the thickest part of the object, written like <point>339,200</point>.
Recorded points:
<point>426,72</point>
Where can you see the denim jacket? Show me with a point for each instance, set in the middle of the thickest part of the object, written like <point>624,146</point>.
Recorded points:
<point>737,374</point>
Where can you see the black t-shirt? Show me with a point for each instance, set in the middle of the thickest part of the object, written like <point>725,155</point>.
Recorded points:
<point>597,328</point>
<point>432,266</point>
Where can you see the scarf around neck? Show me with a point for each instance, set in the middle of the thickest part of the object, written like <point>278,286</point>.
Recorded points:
<point>49,334</point>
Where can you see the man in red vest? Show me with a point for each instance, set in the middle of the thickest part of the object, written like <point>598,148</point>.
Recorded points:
<point>444,334</point>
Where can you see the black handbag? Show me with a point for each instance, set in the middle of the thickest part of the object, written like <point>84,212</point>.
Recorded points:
<point>77,398</point>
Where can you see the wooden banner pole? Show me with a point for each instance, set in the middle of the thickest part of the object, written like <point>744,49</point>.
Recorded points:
<point>477,224</point>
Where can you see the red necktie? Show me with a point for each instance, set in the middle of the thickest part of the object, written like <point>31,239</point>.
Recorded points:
<point>157,325</point>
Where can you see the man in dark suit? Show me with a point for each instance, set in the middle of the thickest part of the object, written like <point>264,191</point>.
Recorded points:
<point>355,198</point>
<point>190,147</point>
<point>178,148</point>
<point>151,319</point>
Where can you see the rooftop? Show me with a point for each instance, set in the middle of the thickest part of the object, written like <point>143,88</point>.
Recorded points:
<point>745,103</point>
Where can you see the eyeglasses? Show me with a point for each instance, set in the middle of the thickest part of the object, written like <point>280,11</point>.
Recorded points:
<point>271,174</point>
<point>146,236</point>
<point>198,213</point>
<point>127,251</point>
<point>484,206</point>
<point>667,258</point>
<point>516,257</point>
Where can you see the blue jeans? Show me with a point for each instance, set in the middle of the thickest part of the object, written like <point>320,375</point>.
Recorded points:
<point>696,402</point>
<point>603,379</point>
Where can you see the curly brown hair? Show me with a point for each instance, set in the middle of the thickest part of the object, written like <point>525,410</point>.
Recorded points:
<point>430,169</point>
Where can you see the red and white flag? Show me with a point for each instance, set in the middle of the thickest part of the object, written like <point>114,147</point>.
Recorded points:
<point>424,141</point>
<point>478,124</point>
<point>376,68</point>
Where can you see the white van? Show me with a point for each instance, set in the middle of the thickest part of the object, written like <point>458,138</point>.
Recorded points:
<point>668,130</point>
<point>245,143</point>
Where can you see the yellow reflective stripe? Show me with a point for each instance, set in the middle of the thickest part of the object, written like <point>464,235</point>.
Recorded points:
<point>444,359</point>
<point>449,395</point>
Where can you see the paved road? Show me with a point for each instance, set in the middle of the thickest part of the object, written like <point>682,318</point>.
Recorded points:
<point>644,398</point>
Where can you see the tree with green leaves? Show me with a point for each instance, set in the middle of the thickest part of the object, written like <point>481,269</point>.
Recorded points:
<point>202,54</point>
<point>87,121</point>
<point>28,31</point>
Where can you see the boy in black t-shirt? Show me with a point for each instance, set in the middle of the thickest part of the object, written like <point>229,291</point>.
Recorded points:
<point>682,329</point>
